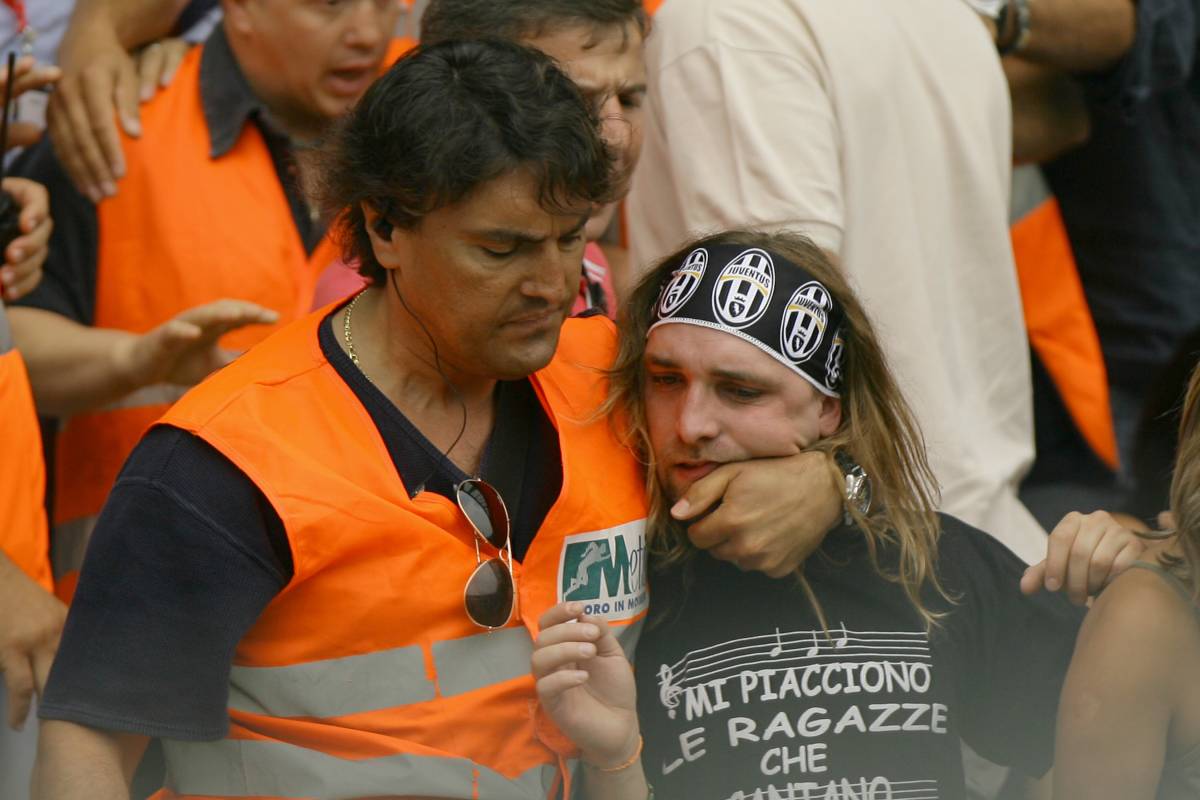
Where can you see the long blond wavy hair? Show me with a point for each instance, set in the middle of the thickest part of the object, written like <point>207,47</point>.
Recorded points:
<point>1185,492</point>
<point>877,429</point>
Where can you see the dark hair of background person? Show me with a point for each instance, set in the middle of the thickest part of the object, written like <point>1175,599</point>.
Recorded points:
<point>878,427</point>
<point>1158,432</point>
<point>514,20</point>
<point>448,118</point>
<point>1185,491</point>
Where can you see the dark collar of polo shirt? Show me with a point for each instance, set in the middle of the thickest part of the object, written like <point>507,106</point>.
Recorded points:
<point>229,105</point>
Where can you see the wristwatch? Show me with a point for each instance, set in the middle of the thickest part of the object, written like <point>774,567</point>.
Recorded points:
<point>858,486</point>
<point>1014,43</point>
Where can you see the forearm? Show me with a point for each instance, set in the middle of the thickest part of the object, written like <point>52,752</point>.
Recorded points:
<point>1050,116</point>
<point>132,22</point>
<point>625,784</point>
<point>1079,35</point>
<point>72,367</point>
<point>78,762</point>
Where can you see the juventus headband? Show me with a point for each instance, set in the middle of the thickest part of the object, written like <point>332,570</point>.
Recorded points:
<point>764,299</point>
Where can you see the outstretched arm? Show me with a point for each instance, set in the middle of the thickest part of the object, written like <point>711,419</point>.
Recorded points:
<point>74,368</point>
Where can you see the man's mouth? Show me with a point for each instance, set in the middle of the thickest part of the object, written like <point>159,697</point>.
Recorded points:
<point>546,318</point>
<point>351,81</point>
<point>691,471</point>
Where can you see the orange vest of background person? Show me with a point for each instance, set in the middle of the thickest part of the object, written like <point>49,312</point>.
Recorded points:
<point>23,534</point>
<point>364,677</point>
<point>183,230</point>
<point>1060,325</point>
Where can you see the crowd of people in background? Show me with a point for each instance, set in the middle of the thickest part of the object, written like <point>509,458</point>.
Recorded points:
<point>610,399</point>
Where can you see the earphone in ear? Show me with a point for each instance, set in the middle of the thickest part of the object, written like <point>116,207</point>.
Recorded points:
<point>383,226</point>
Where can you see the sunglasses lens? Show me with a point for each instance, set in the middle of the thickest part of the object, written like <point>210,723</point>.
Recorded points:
<point>489,595</point>
<point>484,508</point>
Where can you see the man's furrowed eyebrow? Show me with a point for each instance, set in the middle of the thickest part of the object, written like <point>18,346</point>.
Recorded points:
<point>603,92</point>
<point>578,226</point>
<point>659,361</point>
<point>738,376</point>
<point>513,236</point>
<point>507,235</point>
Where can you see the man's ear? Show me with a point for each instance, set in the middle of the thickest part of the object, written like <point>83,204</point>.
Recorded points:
<point>831,415</point>
<point>390,243</point>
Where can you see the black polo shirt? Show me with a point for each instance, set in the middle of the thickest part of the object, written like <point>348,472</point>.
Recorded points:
<point>69,285</point>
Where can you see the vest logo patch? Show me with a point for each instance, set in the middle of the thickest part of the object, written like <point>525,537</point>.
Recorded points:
<point>804,321</point>
<point>606,570</point>
<point>684,282</point>
<point>743,290</point>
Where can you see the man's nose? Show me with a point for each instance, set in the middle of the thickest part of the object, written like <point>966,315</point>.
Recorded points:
<point>367,23</point>
<point>697,421</point>
<point>549,277</point>
<point>614,126</point>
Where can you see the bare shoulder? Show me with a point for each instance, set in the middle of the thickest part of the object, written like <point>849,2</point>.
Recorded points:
<point>1144,605</point>
<point>1143,622</point>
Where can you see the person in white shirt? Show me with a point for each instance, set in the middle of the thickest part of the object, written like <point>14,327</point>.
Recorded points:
<point>883,131</point>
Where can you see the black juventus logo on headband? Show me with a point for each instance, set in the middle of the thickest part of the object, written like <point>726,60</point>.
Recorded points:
<point>804,321</point>
<point>684,282</point>
<point>744,288</point>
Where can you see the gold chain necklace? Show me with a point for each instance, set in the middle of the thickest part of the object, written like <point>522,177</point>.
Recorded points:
<point>350,337</point>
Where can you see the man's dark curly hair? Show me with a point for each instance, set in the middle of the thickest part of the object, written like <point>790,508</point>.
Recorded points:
<point>515,20</point>
<point>448,118</point>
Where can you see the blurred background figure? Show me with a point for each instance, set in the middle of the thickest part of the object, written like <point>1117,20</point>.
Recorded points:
<point>211,234</point>
<point>1106,98</point>
<point>31,618</point>
<point>765,113</point>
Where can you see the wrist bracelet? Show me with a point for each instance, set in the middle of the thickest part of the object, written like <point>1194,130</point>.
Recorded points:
<point>633,759</point>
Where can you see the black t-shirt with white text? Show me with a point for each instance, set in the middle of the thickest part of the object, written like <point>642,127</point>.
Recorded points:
<point>743,695</point>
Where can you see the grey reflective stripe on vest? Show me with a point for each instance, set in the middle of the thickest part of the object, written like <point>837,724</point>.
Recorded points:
<point>156,395</point>
<point>334,688</point>
<point>240,768</point>
<point>70,540</point>
<point>464,665</point>
<point>1029,190</point>
<point>382,680</point>
<point>6,340</point>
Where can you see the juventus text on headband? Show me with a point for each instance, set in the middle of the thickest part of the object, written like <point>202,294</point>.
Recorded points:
<point>764,299</point>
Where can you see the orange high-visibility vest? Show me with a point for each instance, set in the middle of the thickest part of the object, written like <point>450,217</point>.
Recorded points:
<point>364,677</point>
<point>184,229</point>
<point>1060,325</point>
<point>23,533</point>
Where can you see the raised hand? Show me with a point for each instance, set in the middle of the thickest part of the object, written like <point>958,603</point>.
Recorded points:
<point>33,620</point>
<point>1084,552</point>
<point>184,349</point>
<point>586,685</point>
<point>24,256</point>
